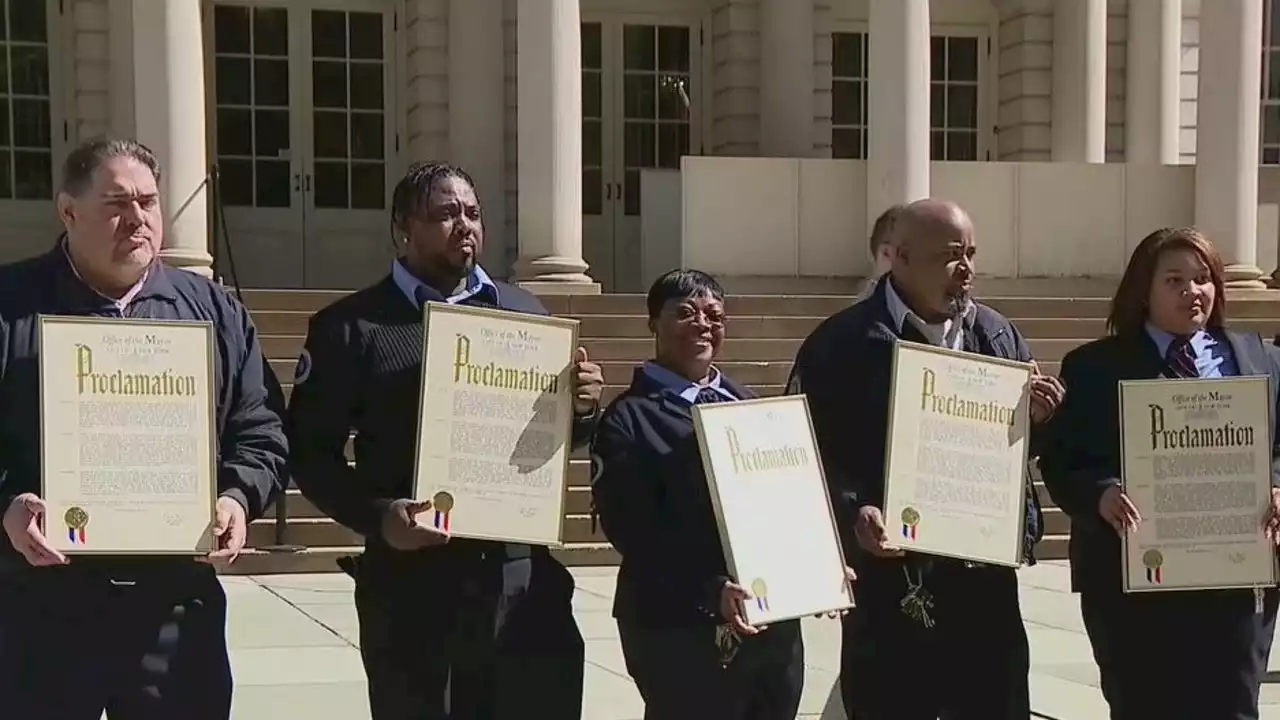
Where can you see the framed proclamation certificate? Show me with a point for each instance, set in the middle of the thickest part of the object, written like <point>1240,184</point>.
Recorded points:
<point>956,454</point>
<point>495,423</point>
<point>772,507</point>
<point>127,435</point>
<point>1196,461</point>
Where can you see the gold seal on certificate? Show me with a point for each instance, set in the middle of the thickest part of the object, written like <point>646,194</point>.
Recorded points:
<point>760,591</point>
<point>1196,461</point>
<point>127,435</point>
<point>761,461</point>
<point>495,422</point>
<point>442,505</point>
<point>957,453</point>
<point>77,522</point>
<point>1153,560</point>
<point>910,520</point>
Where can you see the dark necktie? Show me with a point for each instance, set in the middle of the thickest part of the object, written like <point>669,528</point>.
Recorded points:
<point>1180,361</point>
<point>709,395</point>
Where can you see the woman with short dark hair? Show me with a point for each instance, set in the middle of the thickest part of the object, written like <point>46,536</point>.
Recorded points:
<point>679,614</point>
<point>1199,655</point>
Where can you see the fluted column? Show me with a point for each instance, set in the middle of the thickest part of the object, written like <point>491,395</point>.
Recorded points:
<point>898,136</point>
<point>1080,80</point>
<point>549,101</point>
<point>169,117</point>
<point>1227,134</point>
<point>1153,72</point>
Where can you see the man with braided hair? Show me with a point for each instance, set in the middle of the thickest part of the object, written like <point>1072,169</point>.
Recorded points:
<point>449,627</point>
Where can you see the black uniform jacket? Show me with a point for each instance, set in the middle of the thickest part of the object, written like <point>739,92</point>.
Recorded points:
<point>844,368</point>
<point>364,373</point>
<point>251,450</point>
<point>1082,458</point>
<point>650,493</point>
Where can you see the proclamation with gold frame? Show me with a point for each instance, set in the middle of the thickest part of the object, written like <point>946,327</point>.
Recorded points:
<point>128,435</point>
<point>1196,460</point>
<point>956,454</point>
<point>495,423</point>
<point>772,508</point>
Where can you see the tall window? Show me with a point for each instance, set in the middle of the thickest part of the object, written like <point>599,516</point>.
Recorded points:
<point>953,98</point>
<point>26,135</point>
<point>1270,120</point>
<point>954,83</point>
<point>849,95</point>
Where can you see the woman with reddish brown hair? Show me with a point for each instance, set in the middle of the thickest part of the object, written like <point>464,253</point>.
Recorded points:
<point>1199,655</point>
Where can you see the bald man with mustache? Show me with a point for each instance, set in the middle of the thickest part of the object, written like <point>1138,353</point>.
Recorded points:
<point>966,655</point>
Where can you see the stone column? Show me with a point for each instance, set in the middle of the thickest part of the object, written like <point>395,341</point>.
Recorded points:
<point>169,117</point>
<point>477,111</point>
<point>1080,81</point>
<point>1153,71</point>
<point>1227,134</point>
<point>898,136</point>
<point>549,95</point>
<point>786,78</point>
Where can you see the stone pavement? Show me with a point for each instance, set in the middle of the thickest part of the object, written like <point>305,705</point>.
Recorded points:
<point>295,655</point>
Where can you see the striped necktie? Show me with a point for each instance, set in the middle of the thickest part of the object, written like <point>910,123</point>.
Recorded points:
<point>709,395</point>
<point>1180,361</point>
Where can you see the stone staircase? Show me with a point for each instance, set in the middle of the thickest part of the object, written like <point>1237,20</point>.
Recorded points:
<point>764,333</point>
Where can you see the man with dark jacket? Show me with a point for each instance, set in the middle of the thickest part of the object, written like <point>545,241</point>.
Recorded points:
<point>142,638</point>
<point>968,654</point>
<point>449,627</point>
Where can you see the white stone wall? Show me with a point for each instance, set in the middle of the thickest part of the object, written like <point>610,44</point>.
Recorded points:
<point>1025,61</point>
<point>89,95</point>
<point>735,77</point>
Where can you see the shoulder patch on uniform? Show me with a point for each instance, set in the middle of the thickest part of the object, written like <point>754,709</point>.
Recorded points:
<point>303,369</point>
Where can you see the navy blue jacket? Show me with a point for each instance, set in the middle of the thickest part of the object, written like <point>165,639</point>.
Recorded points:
<point>1083,456</point>
<point>650,493</point>
<point>252,450</point>
<point>363,372</point>
<point>844,368</point>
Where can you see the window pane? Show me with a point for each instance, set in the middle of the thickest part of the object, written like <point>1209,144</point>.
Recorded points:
<point>591,49</point>
<point>33,175</point>
<point>1271,124</point>
<point>962,59</point>
<point>592,192</point>
<point>638,96</point>
<point>846,102</point>
<point>232,80</point>
<point>673,49</point>
<point>271,82</point>
<point>328,34</point>
<point>271,31</point>
<point>846,55</point>
<point>28,21</point>
<point>638,144</point>
<point>366,86</point>
<point>29,69</point>
<point>962,145</point>
<point>272,189</point>
<point>368,140</point>
<point>846,143</point>
<point>231,29</point>
<point>962,106</point>
<point>331,185</point>
<point>368,186</point>
<point>637,47</point>
<point>235,182</point>
<point>365,34</point>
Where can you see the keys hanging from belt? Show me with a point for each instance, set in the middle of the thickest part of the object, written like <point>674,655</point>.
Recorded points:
<point>918,601</point>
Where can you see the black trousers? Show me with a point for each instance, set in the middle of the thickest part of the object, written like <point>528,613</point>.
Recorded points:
<point>1197,655</point>
<point>971,665</point>
<point>678,672</point>
<point>438,645</point>
<point>148,644</point>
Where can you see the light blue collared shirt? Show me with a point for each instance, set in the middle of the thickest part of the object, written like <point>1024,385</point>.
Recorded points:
<point>948,333</point>
<point>683,387</point>
<point>478,281</point>
<point>1214,358</point>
